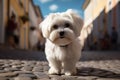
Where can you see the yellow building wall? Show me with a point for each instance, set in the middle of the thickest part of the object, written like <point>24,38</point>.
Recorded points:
<point>25,28</point>
<point>20,12</point>
<point>99,5</point>
<point>27,25</point>
<point>23,39</point>
<point>5,12</point>
<point>17,7</point>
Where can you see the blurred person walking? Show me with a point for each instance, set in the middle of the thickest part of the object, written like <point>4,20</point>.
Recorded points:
<point>11,37</point>
<point>114,38</point>
<point>36,39</point>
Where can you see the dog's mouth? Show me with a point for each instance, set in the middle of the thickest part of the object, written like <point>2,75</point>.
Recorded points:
<point>62,37</point>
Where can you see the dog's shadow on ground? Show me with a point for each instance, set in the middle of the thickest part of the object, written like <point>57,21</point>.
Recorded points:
<point>88,71</point>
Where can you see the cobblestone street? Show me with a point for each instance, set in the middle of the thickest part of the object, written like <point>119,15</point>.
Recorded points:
<point>37,70</point>
<point>18,65</point>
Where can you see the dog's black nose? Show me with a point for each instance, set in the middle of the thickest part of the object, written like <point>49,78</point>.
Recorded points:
<point>62,33</point>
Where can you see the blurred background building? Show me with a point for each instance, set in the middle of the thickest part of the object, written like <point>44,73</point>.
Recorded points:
<point>104,15</point>
<point>26,13</point>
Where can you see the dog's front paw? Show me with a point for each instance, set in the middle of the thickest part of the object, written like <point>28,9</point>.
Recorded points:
<point>70,73</point>
<point>53,71</point>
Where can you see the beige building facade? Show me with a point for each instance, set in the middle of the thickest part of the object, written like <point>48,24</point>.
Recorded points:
<point>103,15</point>
<point>20,8</point>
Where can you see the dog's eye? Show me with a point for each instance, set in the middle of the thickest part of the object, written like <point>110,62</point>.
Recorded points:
<point>55,26</point>
<point>67,24</point>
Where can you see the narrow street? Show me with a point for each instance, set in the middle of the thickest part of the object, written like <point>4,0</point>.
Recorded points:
<point>32,65</point>
<point>21,32</point>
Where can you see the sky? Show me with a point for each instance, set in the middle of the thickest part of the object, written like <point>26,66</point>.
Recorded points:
<point>52,6</point>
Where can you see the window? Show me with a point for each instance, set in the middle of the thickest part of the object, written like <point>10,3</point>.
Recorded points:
<point>20,3</point>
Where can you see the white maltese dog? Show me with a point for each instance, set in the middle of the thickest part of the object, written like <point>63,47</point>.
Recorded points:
<point>63,45</point>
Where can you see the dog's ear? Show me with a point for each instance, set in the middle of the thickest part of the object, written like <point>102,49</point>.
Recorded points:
<point>44,26</point>
<point>43,29</point>
<point>77,20</point>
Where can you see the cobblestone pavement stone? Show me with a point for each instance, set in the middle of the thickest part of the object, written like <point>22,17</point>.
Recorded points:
<point>37,70</point>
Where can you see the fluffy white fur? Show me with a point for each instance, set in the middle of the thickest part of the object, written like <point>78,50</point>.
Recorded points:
<point>66,51</point>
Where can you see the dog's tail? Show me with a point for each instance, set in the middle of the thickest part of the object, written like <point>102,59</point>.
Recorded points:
<point>85,32</point>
